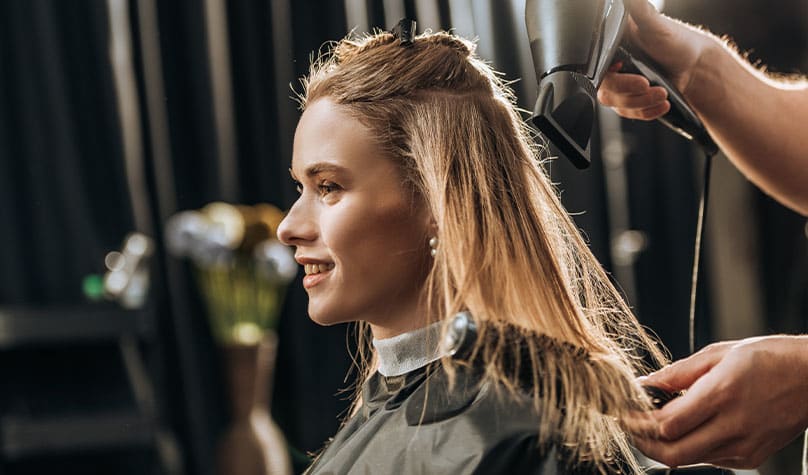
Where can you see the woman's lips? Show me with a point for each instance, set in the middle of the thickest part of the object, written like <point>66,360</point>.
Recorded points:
<point>311,280</point>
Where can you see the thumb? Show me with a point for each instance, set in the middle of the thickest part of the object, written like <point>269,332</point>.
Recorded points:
<point>643,12</point>
<point>683,373</point>
<point>644,25</point>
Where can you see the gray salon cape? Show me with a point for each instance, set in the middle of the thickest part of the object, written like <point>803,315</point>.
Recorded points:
<point>413,424</point>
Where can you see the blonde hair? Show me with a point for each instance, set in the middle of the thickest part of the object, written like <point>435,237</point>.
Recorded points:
<point>509,253</point>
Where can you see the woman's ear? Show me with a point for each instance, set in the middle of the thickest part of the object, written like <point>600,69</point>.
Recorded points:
<point>432,226</point>
<point>424,214</point>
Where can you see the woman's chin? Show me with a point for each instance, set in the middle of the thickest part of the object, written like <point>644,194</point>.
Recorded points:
<point>320,321</point>
<point>325,319</point>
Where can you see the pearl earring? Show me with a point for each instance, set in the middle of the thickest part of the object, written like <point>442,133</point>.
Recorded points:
<point>433,246</point>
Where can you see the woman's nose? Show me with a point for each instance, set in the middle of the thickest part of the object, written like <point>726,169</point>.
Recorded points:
<point>297,226</point>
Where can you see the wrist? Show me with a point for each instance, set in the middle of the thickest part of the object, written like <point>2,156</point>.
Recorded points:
<point>704,85</point>
<point>801,353</point>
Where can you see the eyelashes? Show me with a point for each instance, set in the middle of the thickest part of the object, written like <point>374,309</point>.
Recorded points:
<point>324,187</point>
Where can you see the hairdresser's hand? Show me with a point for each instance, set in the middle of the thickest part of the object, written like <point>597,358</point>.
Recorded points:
<point>675,46</point>
<point>745,400</point>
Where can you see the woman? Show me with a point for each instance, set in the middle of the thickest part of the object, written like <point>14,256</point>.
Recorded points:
<point>422,196</point>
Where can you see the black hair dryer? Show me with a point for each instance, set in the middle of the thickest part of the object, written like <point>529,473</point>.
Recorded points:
<point>573,43</point>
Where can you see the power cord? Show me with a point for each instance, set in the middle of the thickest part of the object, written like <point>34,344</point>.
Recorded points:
<point>705,193</point>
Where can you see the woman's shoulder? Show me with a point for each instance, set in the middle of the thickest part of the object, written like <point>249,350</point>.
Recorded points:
<point>466,393</point>
<point>476,426</point>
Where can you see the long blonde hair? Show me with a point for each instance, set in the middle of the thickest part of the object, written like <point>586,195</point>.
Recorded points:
<point>508,252</point>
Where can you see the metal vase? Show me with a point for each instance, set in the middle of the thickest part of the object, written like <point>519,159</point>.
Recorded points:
<point>253,444</point>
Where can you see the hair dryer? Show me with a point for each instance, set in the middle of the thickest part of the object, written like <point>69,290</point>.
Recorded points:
<point>573,43</point>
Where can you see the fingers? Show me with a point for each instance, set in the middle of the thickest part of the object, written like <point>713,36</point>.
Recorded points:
<point>708,442</point>
<point>706,424</point>
<point>651,97</point>
<point>641,424</point>
<point>736,461</point>
<point>651,113</point>
<point>708,445</point>
<point>624,83</point>
<point>675,420</point>
<point>683,373</point>
<point>616,67</point>
<point>684,414</point>
<point>699,404</point>
<point>676,457</point>
<point>632,96</point>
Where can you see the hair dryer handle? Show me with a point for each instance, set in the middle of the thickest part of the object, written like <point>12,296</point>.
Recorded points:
<point>681,117</point>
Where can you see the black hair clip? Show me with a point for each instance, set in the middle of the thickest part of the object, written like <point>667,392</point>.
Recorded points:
<point>404,31</point>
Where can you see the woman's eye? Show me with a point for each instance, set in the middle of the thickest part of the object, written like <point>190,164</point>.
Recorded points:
<point>324,187</point>
<point>298,186</point>
<point>327,187</point>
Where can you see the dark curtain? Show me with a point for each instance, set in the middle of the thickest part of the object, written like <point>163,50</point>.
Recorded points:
<point>64,204</point>
<point>61,211</point>
<point>60,180</point>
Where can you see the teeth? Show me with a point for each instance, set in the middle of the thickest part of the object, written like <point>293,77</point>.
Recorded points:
<point>317,268</point>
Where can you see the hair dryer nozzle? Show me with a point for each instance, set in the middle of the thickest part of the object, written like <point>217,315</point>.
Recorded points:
<point>565,113</point>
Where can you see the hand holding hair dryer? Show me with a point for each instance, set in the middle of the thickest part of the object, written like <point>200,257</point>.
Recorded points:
<point>573,44</point>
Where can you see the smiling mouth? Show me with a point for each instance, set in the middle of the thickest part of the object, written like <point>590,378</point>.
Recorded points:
<point>317,268</point>
<point>315,273</point>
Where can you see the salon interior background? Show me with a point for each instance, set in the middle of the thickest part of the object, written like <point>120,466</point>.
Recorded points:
<point>116,114</point>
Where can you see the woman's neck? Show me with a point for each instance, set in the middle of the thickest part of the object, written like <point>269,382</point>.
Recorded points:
<point>388,323</point>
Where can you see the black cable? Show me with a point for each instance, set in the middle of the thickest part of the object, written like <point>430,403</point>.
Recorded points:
<point>708,161</point>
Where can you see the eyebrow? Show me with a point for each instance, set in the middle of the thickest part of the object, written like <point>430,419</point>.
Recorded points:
<point>320,167</point>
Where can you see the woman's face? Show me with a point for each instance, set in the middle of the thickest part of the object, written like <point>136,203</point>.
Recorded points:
<point>360,234</point>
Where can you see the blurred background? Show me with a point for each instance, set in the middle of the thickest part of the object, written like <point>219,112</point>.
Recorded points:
<point>117,339</point>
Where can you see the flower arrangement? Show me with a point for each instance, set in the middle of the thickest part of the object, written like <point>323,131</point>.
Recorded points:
<point>241,269</point>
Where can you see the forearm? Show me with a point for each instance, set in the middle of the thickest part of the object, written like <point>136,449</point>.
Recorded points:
<point>801,372</point>
<point>761,124</point>
<point>794,349</point>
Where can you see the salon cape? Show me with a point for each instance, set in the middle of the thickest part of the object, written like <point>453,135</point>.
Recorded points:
<point>412,423</point>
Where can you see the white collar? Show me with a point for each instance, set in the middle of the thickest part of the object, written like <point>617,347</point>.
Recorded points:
<point>409,351</point>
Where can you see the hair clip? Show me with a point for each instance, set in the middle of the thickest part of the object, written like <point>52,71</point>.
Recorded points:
<point>404,31</point>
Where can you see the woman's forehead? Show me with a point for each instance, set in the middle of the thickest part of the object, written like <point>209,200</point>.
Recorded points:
<point>329,138</point>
